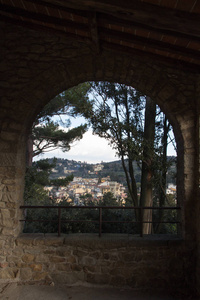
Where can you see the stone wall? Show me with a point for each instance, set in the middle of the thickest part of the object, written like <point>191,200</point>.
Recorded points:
<point>198,191</point>
<point>116,260</point>
<point>34,68</point>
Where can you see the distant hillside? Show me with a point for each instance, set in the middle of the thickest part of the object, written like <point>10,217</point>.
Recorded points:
<point>113,169</point>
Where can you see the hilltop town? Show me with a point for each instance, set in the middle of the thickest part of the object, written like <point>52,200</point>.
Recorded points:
<point>82,190</point>
<point>92,181</point>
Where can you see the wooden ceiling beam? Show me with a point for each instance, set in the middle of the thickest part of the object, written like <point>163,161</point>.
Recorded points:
<point>93,27</point>
<point>121,20</point>
<point>112,20</point>
<point>179,64</point>
<point>101,13</point>
<point>141,41</point>
<point>48,4</point>
<point>141,12</point>
<point>43,18</point>
<point>41,28</point>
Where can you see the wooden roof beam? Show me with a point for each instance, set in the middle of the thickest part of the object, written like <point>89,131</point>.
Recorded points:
<point>112,20</point>
<point>38,27</point>
<point>43,18</point>
<point>141,12</point>
<point>49,4</point>
<point>93,26</point>
<point>180,64</point>
<point>131,38</point>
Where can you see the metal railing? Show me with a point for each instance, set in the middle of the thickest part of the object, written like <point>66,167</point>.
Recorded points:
<point>100,220</point>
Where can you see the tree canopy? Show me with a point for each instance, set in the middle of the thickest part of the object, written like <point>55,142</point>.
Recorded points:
<point>138,131</point>
<point>129,120</point>
<point>51,129</point>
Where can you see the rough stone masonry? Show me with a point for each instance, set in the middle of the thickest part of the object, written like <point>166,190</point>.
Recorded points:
<point>116,260</point>
<point>35,67</point>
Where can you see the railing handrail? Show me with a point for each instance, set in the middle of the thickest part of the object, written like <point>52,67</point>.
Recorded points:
<point>100,208</point>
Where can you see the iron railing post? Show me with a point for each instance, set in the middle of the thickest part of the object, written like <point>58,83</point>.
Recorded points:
<point>141,221</point>
<point>100,221</point>
<point>59,221</point>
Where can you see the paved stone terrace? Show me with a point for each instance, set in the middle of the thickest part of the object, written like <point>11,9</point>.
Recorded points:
<point>31,292</point>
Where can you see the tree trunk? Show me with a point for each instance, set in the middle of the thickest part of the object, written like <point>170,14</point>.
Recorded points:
<point>162,195</point>
<point>29,151</point>
<point>131,184</point>
<point>148,153</point>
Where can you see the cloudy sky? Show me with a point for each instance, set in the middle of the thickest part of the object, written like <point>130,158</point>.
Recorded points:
<point>90,148</point>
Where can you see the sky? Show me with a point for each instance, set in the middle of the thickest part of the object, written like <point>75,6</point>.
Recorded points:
<point>90,148</point>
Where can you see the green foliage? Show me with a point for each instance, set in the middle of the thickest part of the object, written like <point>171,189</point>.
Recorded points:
<point>61,181</point>
<point>71,102</point>
<point>49,218</point>
<point>113,218</point>
<point>118,117</point>
<point>117,114</point>
<point>169,215</point>
<point>109,200</point>
<point>47,134</point>
<point>37,176</point>
<point>139,133</point>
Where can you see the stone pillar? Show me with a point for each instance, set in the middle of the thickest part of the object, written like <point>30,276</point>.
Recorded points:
<point>198,193</point>
<point>12,167</point>
<point>187,195</point>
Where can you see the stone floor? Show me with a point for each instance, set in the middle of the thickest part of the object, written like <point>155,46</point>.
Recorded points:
<point>13,291</point>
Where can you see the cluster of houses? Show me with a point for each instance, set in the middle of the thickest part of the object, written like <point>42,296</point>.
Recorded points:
<point>80,187</point>
<point>171,189</point>
<point>80,190</point>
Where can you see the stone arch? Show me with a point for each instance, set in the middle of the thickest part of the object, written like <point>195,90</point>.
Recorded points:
<point>151,80</point>
<point>40,66</point>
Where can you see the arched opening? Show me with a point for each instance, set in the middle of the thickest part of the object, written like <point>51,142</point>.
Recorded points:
<point>161,88</point>
<point>127,125</point>
<point>49,47</point>
<point>53,63</point>
<point>92,277</point>
<point>168,93</point>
